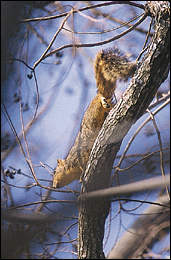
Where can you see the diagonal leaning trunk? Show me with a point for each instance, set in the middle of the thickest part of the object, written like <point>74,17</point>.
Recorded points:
<point>152,71</point>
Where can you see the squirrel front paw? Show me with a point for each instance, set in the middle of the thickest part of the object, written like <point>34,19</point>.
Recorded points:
<point>104,102</point>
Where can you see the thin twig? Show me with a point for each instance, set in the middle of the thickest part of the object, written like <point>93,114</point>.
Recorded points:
<point>37,97</point>
<point>83,9</point>
<point>14,131</point>
<point>53,39</point>
<point>146,40</point>
<point>20,187</point>
<point>97,43</point>
<point>116,20</point>
<point>29,161</point>
<point>160,144</point>
<point>137,162</point>
<point>29,124</point>
<point>163,98</point>
<point>41,201</point>
<point>61,242</point>
<point>139,129</point>
<point>67,229</point>
<point>22,61</point>
<point>106,31</point>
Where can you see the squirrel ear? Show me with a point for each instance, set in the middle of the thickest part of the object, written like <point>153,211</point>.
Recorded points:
<point>58,161</point>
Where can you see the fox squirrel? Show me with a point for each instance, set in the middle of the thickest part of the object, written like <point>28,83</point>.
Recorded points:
<point>109,66</point>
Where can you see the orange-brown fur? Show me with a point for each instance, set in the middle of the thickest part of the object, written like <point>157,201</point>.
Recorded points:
<point>109,66</point>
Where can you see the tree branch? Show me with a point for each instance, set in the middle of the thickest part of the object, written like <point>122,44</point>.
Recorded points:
<point>138,186</point>
<point>142,232</point>
<point>82,9</point>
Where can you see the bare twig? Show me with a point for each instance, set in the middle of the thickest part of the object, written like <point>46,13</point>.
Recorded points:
<point>138,161</point>
<point>143,231</point>
<point>106,31</point>
<point>161,149</point>
<point>62,242</point>
<point>53,39</point>
<point>145,43</point>
<point>139,129</point>
<point>116,20</point>
<point>14,131</point>
<point>40,202</point>
<point>29,161</point>
<point>99,43</point>
<point>83,9</point>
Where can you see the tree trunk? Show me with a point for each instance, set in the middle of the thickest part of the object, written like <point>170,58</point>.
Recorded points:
<point>151,72</point>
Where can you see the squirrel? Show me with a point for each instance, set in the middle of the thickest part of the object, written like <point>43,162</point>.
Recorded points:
<point>109,66</point>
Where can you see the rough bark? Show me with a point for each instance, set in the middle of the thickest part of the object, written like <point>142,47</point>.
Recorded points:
<point>151,72</point>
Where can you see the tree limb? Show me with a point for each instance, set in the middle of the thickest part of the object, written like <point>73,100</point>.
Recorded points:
<point>142,232</point>
<point>138,186</point>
